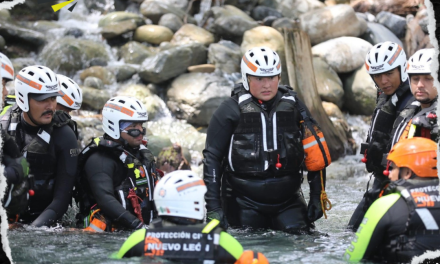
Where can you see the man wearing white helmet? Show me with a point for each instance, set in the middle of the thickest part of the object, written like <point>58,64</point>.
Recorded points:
<point>117,172</point>
<point>70,99</point>
<point>422,122</point>
<point>387,66</point>
<point>179,199</point>
<point>48,144</point>
<point>7,71</point>
<point>262,134</point>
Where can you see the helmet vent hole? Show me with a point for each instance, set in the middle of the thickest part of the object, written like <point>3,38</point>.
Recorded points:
<point>64,85</point>
<point>71,81</point>
<point>429,59</point>
<point>420,57</point>
<point>112,99</point>
<point>31,73</point>
<point>369,61</point>
<point>178,181</point>
<point>139,104</point>
<point>263,50</point>
<point>386,57</point>
<point>274,62</point>
<point>79,92</point>
<point>39,67</point>
<point>41,80</point>
<point>197,209</point>
<point>376,55</point>
<point>73,95</point>
<point>267,61</point>
<point>48,75</point>
<point>190,176</point>
<point>195,202</point>
<point>378,47</point>
<point>251,54</point>
<point>111,122</point>
<point>390,48</point>
<point>121,101</point>
<point>257,63</point>
<point>132,107</point>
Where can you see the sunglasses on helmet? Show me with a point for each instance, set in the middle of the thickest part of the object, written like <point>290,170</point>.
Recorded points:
<point>135,132</point>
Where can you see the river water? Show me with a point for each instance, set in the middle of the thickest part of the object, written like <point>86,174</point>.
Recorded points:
<point>346,183</point>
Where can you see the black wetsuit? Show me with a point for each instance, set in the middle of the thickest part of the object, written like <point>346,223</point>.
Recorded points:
<point>63,149</point>
<point>274,201</point>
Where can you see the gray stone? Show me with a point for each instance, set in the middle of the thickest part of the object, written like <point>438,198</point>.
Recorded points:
<point>245,5</point>
<point>154,10</point>
<point>233,27</point>
<point>10,29</point>
<point>44,25</point>
<point>94,82</point>
<point>117,17</point>
<point>424,22</point>
<point>134,52</point>
<point>195,96</point>
<point>283,22</point>
<point>395,23</point>
<point>153,34</point>
<point>4,14</point>
<point>294,8</point>
<point>117,29</point>
<point>122,72</point>
<point>261,12</point>
<point>225,55</point>
<point>268,21</point>
<point>95,98</point>
<point>68,55</point>
<point>199,53</point>
<point>189,33</point>
<point>166,64</point>
<point>377,33</point>
<point>74,32</point>
<point>328,83</point>
<point>157,143</point>
<point>171,21</point>
<point>360,93</point>
<point>105,75</point>
<point>180,4</point>
<point>332,110</point>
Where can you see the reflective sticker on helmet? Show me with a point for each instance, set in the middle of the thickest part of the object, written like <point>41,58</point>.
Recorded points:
<point>120,109</point>
<point>279,65</point>
<point>407,66</point>
<point>8,69</point>
<point>249,64</point>
<point>368,67</point>
<point>29,82</point>
<point>66,98</point>
<point>189,185</point>
<point>395,55</point>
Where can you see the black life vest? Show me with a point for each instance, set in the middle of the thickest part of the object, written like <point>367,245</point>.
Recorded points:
<point>42,163</point>
<point>422,229</point>
<point>141,175</point>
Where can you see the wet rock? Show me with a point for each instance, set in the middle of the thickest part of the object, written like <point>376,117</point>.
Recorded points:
<point>268,21</point>
<point>166,64</point>
<point>415,38</point>
<point>154,10</point>
<point>283,23</point>
<point>301,7</point>
<point>180,4</point>
<point>332,22</point>
<point>189,33</point>
<point>225,55</point>
<point>117,29</point>
<point>199,53</point>
<point>202,68</point>
<point>94,98</point>
<point>122,72</point>
<point>171,21</point>
<point>171,158</point>
<point>395,23</point>
<point>360,92</point>
<point>44,25</point>
<point>261,12</point>
<point>398,7</point>
<point>10,29</point>
<point>343,54</point>
<point>117,17</point>
<point>155,106</point>
<point>153,34</point>
<point>328,83</point>
<point>94,82</point>
<point>332,110</point>
<point>4,14</point>
<point>230,22</point>
<point>74,32</point>
<point>245,5</point>
<point>68,55</point>
<point>377,33</point>
<point>156,143</point>
<point>423,23</point>
<point>97,62</point>
<point>195,96</point>
<point>2,43</point>
<point>20,63</point>
<point>102,73</point>
<point>134,52</point>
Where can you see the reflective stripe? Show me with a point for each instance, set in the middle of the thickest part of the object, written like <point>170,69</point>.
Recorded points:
<point>12,126</point>
<point>427,218</point>
<point>394,99</point>
<point>412,131</point>
<point>123,157</point>
<point>149,187</point>
<point>230,153</point>
<point>263,123</point>
<point>141,181</point>
<point>289,98</point>
<point>97,229</point>
<point>274,118</point>
<point>370,131</point>
<point>9,196</point>
<point>405,193</point>
<point>210,226</point>
<point>243,98</point>
<point>130,166</point>
<point>121,194</point>
<point>311,144</point>
<point>216,239</point>
<point>44,135</point>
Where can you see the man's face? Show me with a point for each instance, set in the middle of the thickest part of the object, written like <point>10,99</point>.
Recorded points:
<point>394,172</point>
<point>134,142</point>
<point>4,91</point>
<point>263,88</point>
<point>41,111</point>
<point>422,87</point>
<point>388,81</point>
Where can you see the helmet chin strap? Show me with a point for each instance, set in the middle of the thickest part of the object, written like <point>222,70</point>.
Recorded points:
<point>32,119</point>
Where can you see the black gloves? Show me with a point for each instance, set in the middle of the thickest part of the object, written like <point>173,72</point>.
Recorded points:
<point>219,215</point>
<point>20,167</point>
<point>314,209</point>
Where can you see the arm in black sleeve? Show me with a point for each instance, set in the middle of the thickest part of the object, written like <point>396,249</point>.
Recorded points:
<point>221,127</point>
<point>66,152</point>
<point>100,170</point>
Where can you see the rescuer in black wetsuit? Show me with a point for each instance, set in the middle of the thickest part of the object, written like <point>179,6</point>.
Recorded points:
<point>386,64</point>
<point>405,222</point>
<point>48,144</point>
<point>258,136</point>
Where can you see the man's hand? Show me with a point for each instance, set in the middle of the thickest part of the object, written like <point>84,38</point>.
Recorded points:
<point>219,215</point>
<point>314,209</point>
<point>19,165</point>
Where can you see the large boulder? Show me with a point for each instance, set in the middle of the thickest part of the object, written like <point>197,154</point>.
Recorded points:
<point>154,10</point>
<point>166,64</point>
<point>225,55</point>
<point>395,23</point>
<point>153,34</point>
<point>68,55</point>
<point>93,98</point>
<point>122,72</point>
<point>377,33</point>
<point>328,83</point>
<point>195,96</point>
<point>12,30</point>
<point>135,53</point>
<point>294,8</point>
<point>117,17</point>
<point>343,54</point>
<point>189,33</point>
<point>360,92</point>
<point>332,22</point>
<point>416,38</point>
<point>261,12</point>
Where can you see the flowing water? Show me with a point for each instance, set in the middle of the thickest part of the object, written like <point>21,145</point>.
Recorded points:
<point>345,186</point>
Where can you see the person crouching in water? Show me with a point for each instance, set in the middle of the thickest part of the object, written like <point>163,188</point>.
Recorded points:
<point>405,223</point>
<point>118,172</point>
<point>179,199</point>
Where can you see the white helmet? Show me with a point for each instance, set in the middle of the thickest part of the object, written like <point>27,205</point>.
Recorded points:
<point>122,108</point>
<point>71,95</point>
<point>420,62</point>
<point>6,67</point>
<point>181,193</point>
<point>260,61</point>
<point>386,56</point>
<point>38,80</point>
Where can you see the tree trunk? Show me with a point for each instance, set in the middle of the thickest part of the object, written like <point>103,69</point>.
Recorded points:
<point>302,79</point>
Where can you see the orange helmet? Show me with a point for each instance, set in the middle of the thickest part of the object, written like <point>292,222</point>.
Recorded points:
<point>418,154</point>
<point>252,257</point>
